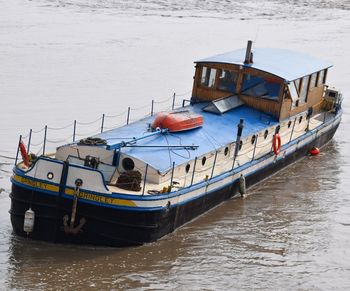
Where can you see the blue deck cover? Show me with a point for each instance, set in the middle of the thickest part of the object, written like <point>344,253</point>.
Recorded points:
<point>217,131</point>
<point>286,64</point>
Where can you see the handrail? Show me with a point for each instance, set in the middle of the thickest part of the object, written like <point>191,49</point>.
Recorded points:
<point>33,142</point>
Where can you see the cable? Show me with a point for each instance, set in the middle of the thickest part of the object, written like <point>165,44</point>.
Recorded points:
<point>59,128</point>
<point>7,157</point>
<point>88,123</point>
<point>117,115</point>
<point>183,94</point>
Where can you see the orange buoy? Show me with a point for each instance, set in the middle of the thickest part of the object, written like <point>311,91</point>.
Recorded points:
<point>24,154</point>
<point>314,151</point>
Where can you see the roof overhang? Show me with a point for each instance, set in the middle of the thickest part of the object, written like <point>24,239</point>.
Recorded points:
<point>286,64</point>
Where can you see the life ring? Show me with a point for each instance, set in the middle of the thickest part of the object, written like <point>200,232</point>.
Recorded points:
<point>276,144</point>
<point>24,154</point>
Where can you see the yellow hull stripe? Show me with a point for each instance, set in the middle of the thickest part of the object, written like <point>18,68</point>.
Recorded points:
<point>82,194</point>
<point>36,184</point>
<point>101,199</point>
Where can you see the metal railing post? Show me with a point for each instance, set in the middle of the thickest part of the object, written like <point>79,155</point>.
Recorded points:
<point>103,121</point>
<point>212,171</point>
<point>152,107</point>
<point>256,142</point>
<point>172,175</point>
<point>128,116</point>
<point>144,180</point>
<point>173,105</point>
<point>44,145</point>
<point>74,129</point>
<point>194,170</point>
<point>19,141</point>
<point>238,139</point>
<point>291,135</point>
<point>29,140</point>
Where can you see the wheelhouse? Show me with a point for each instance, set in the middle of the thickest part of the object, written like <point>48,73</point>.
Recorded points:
<point>279,82</point>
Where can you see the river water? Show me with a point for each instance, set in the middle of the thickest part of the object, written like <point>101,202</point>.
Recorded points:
<point>76,59</point>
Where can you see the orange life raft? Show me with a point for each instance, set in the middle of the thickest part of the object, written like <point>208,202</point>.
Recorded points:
<point>177,121</point>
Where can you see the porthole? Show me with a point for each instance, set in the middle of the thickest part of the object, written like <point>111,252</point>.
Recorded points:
<point>253,139</point>
<point>266,134</point>
<point>289,123</point>
<point>204,159</point>
<point>300,119</point>
<point>226,151</point>
<point>240,145</point>
<point>128,164</point>
<point>188,166</point>
<point>278,129</point>
<point>78,182</point>
<point>50,175</point>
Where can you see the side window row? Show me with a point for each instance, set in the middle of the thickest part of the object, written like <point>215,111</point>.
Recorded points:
<point>299,88</point>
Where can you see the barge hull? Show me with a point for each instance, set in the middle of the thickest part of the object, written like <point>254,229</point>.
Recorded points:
<point>117,227</point>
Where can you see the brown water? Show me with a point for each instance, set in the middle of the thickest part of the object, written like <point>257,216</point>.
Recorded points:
<point>63,60</point>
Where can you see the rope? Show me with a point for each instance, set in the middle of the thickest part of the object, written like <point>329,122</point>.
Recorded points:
<point>7,157</point>
<point>183,94</point>
<point>90,133</point>
<point>117,115</point>
<point>113,127</point>
<point>37,144</point>
<point>59,128</point>
<point>122,138</point>
<point>88,123</point>
<point>59,140</point>
<point>39,151</point>
<point>139,108</point>
<point>163,101</point>
<point>38,131</point>
<point>25,136</point>
<point>131,120</point>
<point>169,154</point>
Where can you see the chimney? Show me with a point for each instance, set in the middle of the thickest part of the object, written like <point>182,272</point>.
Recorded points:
<point>248,54</point>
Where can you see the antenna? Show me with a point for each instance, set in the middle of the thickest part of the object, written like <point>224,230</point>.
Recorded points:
<point>256,34</point>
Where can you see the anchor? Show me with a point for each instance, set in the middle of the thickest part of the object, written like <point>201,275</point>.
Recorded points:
<point>70,229</point>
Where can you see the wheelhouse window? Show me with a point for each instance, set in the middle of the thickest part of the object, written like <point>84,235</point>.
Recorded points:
<point>268,87</point>
<point>293,92</point>
<point>304,89</point>
<point>321,77</point>
<point>227,81</point>
<point>208,77</point>
<point>313,80</point>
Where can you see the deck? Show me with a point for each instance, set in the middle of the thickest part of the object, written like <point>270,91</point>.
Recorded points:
<point>217,131</point>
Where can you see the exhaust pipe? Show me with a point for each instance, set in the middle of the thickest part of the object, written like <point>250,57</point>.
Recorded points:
<point>248,54</point>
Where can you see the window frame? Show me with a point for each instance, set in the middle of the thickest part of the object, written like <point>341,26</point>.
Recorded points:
<point>219,72</point>
<point>209,72</point>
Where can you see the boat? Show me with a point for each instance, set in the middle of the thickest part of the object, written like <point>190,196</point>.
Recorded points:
<point>177,121</point>
<point>252,112</point>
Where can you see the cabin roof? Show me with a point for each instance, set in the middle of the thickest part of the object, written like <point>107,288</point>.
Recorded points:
<point>207,138</point>
<point>286,64</point>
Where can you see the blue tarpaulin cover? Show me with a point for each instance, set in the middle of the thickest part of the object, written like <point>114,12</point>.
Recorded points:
<point>217,131</point>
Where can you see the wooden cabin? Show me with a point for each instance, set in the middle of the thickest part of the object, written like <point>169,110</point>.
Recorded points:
<point>279,82</point>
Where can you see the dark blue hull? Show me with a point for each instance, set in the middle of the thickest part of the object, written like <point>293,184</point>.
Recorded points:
<point>117,227</point>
